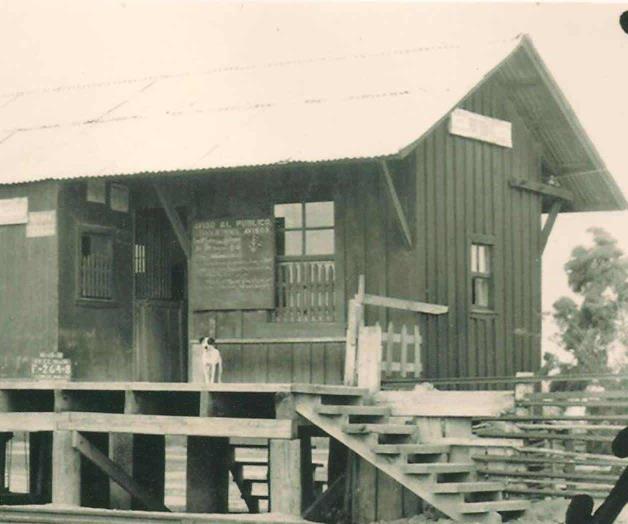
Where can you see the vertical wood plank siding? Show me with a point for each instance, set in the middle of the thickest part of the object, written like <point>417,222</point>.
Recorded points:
<point>462,191</point>
<point>451,190</point>
<point>29,279</point>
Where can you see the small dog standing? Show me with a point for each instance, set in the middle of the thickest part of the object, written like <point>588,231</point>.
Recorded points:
<point>210,360</point>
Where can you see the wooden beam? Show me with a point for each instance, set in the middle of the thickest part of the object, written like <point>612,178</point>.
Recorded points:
<point>285,476</point>
<point>405,305</point>
<point>549,224</point>
<point>173,216</point>
<point>66,470</point>
<point>392,193</point>
<point>321,509</point>
<point>177,425</point>
<point>116,473</point>
<point>544,189</point>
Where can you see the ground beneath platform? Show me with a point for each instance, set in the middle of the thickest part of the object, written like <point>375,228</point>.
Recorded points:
<point>54,514</point>
<point>548,511</point>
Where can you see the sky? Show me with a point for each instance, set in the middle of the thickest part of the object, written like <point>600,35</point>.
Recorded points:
<point>49,43</point>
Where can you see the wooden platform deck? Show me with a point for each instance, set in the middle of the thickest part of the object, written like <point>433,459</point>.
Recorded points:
<point>55,514</point>
<point>225,387</point>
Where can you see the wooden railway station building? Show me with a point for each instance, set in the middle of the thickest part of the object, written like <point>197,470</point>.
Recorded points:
<point>285,210</point>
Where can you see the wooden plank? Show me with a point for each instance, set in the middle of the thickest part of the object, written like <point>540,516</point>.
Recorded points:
<point>121,452</point>
<point>389,498</point>
<point>116,473</point>
<point>31,421</point>
<point>365,483</point>
<point>175,425</point>
<point>549,224</point>
<point>543,189</point>
<point>405,305</point>
<point>66,470</point>
<point>175,221</point>
<point>369,358</point>
<point>418,358</point>
<point>351,342</point>
<point>404,350</point>
<point>285,476</point>
<point>328,502</point>
<point>389,348</point>
<point>334,358</point>
<point>394,197</point>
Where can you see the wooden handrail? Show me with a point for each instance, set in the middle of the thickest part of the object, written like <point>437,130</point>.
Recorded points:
<point>405,305</point>
<point>296,340</point>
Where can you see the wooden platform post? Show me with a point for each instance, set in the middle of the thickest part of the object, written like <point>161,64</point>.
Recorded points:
<point>207,475</point>
<point>66,470</point>
<point>285,476</point>
<point>120,452</point>
<point>4,438</point>
<point>40,466</point>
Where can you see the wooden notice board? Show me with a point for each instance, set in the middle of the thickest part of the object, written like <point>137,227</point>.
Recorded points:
<point>233,264</point>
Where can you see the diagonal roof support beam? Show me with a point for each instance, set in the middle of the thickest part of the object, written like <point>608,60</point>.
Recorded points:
<point>549,223</point>
<point>175,220</point>
<point>543,189</point>
<point>394,197</point>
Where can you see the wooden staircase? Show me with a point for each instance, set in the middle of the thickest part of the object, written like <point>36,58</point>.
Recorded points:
<point>249,470</point>
<point>392,445</point>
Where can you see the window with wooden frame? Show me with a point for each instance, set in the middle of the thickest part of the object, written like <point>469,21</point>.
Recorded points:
<point>481,275</point>
<point>96,265</point>
<point>306,273</point>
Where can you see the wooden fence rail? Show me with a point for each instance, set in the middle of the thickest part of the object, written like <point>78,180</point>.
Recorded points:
<point>561,438</point>
<point>407,360</point>
<point>399,354</point>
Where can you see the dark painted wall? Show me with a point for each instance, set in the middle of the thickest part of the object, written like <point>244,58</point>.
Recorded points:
<point>452,189</point>
<point>28,285</point>
<point>252,195</point>
<point>96,335</point>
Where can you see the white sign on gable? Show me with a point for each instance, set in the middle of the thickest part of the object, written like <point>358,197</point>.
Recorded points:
<point>13,211</point>
<point>41,224</point>
<point>480,127</point>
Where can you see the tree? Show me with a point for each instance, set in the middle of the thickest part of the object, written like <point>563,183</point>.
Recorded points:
<point>590,329</point>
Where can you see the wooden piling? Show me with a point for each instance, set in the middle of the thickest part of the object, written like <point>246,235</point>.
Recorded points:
<point>285,476</point>
<point>66,470</point>
<point>120,452</point>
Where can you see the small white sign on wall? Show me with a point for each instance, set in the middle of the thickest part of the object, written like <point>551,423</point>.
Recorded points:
<point>119,196</point>
<point>13,211</point>
<point>41,224</point>
<point>480,127</point>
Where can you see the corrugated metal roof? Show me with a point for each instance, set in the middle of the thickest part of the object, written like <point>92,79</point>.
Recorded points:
<point>357,107</point>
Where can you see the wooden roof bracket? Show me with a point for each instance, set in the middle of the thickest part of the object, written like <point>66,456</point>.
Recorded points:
<point>394,197</point>
<point>175,220</point>
<point>543,189</point>
<point>549,223</point>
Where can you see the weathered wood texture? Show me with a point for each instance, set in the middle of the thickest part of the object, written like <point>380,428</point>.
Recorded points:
<point>463,194</point>
<point>97,335</point>
<point>453,191</point>
<point>29,278</point>
<point>158,341</point>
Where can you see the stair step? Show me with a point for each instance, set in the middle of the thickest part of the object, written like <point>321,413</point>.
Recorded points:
<point>327,409</point>
<point>385,429</point>
<point>438,467</point>
<point>411,449</point>
<point>494,505</point>
<point>467,487</point>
